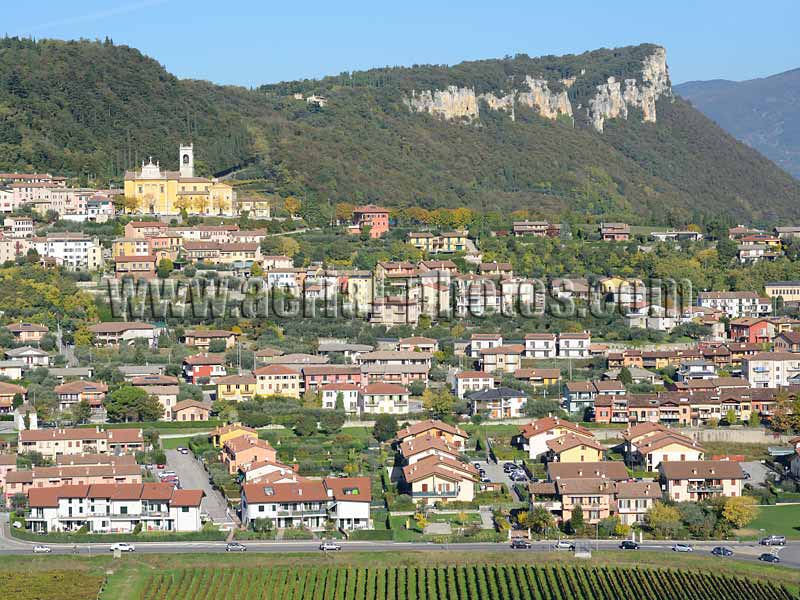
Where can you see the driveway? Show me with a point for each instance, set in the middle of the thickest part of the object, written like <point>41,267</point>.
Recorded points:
<point>757,472</point>
<point>193,476</point>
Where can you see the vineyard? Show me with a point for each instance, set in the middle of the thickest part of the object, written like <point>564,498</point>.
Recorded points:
<point>513,582</point>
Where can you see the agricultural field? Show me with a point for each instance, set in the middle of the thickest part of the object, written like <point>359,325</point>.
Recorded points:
<point>50,585</point>
<point>461,582</point>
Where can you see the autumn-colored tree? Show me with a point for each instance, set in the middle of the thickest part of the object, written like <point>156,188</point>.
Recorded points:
<point>740,511</point>
<point>781,419</point>
<point>344,211</point>
<point>292,205</point>
<point>663,520</point>
<point>416,214</point>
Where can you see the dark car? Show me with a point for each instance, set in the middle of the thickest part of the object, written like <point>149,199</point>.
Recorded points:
<point>722,551</point>
<point>509,466</point>
<point>773,540</point>
<point>770,558</point>
<point>628,545</point>
<point>520,544</point>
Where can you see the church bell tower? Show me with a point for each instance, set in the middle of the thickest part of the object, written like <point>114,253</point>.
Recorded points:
<point>186,160</point>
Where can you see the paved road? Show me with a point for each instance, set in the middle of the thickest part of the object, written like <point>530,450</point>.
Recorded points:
<point>757,471</point>
<point>790,555</point>
<point>193,477</point>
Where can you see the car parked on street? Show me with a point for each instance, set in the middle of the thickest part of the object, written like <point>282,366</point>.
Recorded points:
<point>628,545</point>
<point>682,548</point>
<point>520,544</point>
<point>770,558</point>
<point>723,551</point>
<point>773,540</point>
<point>41,549</point>
<point>329,547</point>
<point>235,547</point>
<point>122,547</point>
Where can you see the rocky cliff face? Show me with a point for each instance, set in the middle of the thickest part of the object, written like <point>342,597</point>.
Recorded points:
<point>612,99</point>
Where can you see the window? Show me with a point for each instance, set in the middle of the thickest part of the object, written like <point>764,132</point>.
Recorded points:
<point>184,509</point>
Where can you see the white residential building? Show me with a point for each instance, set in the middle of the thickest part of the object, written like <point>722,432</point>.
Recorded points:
<point>772,369</point>
<point>74,251</point>
<point>473,381</point>
<point>736,304</point>
<point>379,398</point>
<point>574,345</point>
<point>349,392</point>
<point>114,508</point>
<point>541,345</point>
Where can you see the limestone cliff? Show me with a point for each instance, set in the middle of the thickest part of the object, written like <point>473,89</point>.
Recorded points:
<point>451,103</point>
<point>611,100</point>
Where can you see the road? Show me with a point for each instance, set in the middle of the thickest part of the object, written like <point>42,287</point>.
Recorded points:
<point>193,477</point>
<point>497,475</point>
<point>790,555</point>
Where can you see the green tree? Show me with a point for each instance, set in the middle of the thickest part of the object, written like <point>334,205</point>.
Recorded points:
<point>385,427</point>
<point>663,520</point>
<point>131,403</point>
<point>438,403</point>
<point>305,425</point>
<point>339,402</point>
<point>539,519</point>
<point>730,417</point>
<point>331,422</point>
<point>81,412</point>
<point>576,522</point>
<point>217,346</point>
<point>755,419</point>
<point>17,401</point>
<point>625,376</point>
<point>165,267</point>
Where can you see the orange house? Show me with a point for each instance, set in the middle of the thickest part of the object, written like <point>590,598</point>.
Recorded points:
<point>376,217</point>
<point>243,451</point>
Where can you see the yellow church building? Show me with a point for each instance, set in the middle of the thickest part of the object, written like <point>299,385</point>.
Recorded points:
<point>169,192</point>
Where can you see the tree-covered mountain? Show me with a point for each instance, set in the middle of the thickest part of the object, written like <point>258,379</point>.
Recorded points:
<point>514,133</point>
<point>764,113</point>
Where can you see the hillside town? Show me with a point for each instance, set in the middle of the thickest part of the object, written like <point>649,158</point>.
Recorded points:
<point>387,402</point>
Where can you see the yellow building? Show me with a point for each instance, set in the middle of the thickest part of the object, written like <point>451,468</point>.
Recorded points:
<point>277,380</point>
<point>573,448</point>
<point>169,192</point>
<point>223,434</point>
<point>236,388</point>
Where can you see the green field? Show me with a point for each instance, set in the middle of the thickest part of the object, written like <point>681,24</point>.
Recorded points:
<point>50,585</point>
<point>461,582</point>
<point>779,519</point>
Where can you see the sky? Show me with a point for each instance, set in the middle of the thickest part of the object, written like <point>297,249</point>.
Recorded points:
<point>250,42</point>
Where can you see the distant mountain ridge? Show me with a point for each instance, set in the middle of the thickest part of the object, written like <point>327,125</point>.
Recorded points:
<point>764,113</point>
<point>596,135</point>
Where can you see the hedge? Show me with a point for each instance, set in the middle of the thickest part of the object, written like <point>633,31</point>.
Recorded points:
<point>110,538</point>
<point>210,424</point>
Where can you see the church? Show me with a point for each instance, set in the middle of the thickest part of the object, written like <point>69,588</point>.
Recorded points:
<point>171,192</point>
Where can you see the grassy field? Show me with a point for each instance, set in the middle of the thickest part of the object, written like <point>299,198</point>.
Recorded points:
<point>751,452</point>
<point>432,575</point>
<point>778,519</point>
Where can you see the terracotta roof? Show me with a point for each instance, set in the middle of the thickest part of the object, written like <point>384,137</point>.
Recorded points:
<point>585,486</point>
<point>701,469</point>
<point>21,327</point>
<point>426,442</point>
<point>9,389</point>
<point>8,459</point>
<point>547,423</point>
<point>423,426</point>
<point>415,340</point>
<point>344,387</point>
<point>385,388</point>
<point>135,258</point>
<point>205,358</point>
<point>607,469</point>
<point>276,370</point>
<point>209,333</point>
<point>540,336</point>
<point>350,489</point>
<point>125,436</point>
<point>81,386</point>
<point>331,370</point>
<point>474,375</point>
<point>504,349</point>
<point>635,431</point>
<point>569,441</point>
<point>187,498</point>
<point>537,373</point>
<point>233,427</point>
<point>42,435</point>
<point>304,490</point>
<point>441,468</point>
<point>118,326</point>
<point>638,489</point>
<point>244,442</point>
<point>186,404</point>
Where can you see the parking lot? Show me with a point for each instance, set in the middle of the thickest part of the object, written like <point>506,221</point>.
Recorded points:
<point>496,474</point>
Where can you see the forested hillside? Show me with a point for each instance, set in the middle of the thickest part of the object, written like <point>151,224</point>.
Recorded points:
<point>95,109</point>
<point>763,113</point>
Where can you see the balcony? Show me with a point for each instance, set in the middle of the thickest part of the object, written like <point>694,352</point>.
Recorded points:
<point>435,494</point>
<point>705,489</point>
<point>319,512</point>
<point>551,506</point>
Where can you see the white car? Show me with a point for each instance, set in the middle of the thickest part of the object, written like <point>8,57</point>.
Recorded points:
<point>122,547</point>
<point>41,549</point>
<point>329,547</point>
<point>682,548</point>
<point>183,450</point>
<point>564,545</point>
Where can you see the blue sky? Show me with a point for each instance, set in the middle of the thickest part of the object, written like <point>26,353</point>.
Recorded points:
<point>248,42</point>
